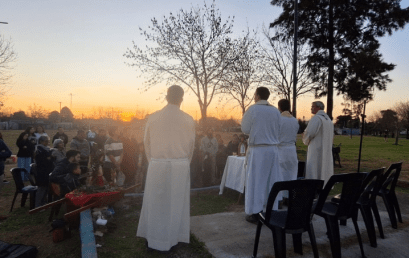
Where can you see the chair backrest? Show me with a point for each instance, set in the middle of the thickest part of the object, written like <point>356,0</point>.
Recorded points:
<point>371,184</point>
<point>390,178</point>
<point>16,173</point>
<point>351,190</point>
<point>301,196</point>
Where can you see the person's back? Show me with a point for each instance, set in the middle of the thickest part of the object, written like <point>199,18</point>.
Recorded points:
<point>263,127</point>
<point>169,142</point>
<point>288,137</point>
<point>166,134</point>
<point>288,130</point>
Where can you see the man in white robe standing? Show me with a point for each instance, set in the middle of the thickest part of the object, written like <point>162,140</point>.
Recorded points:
<point>262,122</point>
<point>169,143</point>
<point>288,137</point>
<point>319,136</point>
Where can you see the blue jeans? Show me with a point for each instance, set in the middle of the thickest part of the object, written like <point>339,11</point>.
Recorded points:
<point>24,162</point>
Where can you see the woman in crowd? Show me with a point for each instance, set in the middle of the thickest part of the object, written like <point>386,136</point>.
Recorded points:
<point>130,156</point>
<point>58,151</point>
<point>24,154</point>
<point>45,165</point>
<point>31,137</point>
<point>40,132</point>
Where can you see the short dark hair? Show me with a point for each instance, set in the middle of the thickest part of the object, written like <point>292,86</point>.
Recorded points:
<point>43,139</point>
<point>284,105</point>
<point>72,166</point>
<point>263,93</point>
<point>72,153</point>
<point>175,94</point>
<point>112,130</point>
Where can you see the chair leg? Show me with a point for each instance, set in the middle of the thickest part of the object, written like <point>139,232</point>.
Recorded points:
<point>297,243</point>
<point>378,219</point>
<point>14,199</point>
<point>279,242</point>
<point>333,235</point>
<point>370,227</point>
<point>394,201</point>
<point>391,211</point>
<point>23,199</point>
<point>311,233</point>
<point>257,239</point>
<point>32,200</point>
<point>358,234</point>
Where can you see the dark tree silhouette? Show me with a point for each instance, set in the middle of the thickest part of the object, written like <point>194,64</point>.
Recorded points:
<point>342,36</point>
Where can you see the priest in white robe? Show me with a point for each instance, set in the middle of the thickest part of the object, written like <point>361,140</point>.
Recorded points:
<point>262,122</point>
<point>288,137</point>
<point>169,143</point>
<point>319,136</point>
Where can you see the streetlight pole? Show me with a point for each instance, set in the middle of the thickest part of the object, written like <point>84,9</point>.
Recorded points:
<point>295,59</point>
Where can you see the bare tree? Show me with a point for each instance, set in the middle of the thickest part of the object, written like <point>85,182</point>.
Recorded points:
<point>190,47</point>
<point>278,67</point>
<point>245,73</point>
<point>7,57</point>
<point>38,112</point>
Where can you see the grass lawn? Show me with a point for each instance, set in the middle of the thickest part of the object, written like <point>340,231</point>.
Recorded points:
<point>121,241</point>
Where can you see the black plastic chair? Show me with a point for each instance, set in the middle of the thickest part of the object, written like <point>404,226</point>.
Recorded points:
<point>390,180</point>
<point>295,220</point>
<point>20,188</point>
<point>367,202</point>
<point>345,209</point>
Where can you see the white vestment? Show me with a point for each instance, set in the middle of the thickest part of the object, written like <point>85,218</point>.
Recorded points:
<point>287,149</point>
<point>262,122</point>
<point>319,136</point>
<point>169,143</point>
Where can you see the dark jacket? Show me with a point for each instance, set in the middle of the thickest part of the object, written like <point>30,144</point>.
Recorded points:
<point>100,141</point>
<point>25,148</point>
<point>60,171</point>
<point>5,153</point>
<point>63,137</point>
<point>232,147</point>
<point>69,183</point>
<point>45,164</point>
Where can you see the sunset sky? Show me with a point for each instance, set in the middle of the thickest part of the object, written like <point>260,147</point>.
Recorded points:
<point>77,47</point>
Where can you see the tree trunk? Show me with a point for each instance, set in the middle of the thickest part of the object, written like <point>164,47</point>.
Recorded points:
<point>397,137</point>
<point>330,88</point>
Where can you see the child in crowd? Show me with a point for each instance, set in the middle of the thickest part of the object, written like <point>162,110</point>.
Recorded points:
<point>70,182</point>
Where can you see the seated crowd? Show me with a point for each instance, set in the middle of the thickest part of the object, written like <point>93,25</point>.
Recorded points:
<point>93,159</point>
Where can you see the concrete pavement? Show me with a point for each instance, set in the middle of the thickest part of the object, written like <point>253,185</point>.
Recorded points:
<point>228,235</point>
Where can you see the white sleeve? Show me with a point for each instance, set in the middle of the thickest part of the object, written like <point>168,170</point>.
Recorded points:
<point>311,131</point>
<point>247,121</point>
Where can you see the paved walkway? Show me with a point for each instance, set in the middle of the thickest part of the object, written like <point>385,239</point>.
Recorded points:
<point>229,235</point>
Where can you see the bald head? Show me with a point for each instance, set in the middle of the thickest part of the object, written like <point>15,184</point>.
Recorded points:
<point>175,95</point>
